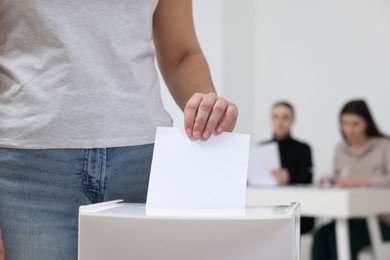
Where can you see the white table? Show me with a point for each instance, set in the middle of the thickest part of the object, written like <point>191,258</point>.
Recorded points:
<point>337,203</point>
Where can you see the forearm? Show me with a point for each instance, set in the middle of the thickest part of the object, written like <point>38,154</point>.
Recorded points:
<point>179,55</point>
<point>379,181</point>
<point>190,75</point>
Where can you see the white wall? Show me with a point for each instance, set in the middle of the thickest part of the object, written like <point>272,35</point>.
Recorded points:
<point>317,54</point>
<point>238,70</point>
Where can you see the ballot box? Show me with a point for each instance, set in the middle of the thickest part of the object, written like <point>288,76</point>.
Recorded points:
<point>116,230</point>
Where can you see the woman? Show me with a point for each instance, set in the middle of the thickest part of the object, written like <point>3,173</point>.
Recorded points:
<point>362,160</point>
<point>296,160</point>
<point>79,106</point>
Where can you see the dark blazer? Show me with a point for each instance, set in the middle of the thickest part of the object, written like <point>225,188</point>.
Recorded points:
<point>296,157</point>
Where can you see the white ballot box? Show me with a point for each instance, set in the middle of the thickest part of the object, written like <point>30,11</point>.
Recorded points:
<point>116,231</point>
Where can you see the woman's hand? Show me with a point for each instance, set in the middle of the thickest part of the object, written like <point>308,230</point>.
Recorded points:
<point>327,181</point>
<point>205,114</point>
<point>2,249</point>
<point>345,181</point>
<point>281,175</point>
<point>352,181</point>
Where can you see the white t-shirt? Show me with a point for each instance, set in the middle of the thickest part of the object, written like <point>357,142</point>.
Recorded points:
<point>78,74</point>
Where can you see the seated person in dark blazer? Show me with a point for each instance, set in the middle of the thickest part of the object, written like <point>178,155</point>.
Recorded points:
<point>296,161</point>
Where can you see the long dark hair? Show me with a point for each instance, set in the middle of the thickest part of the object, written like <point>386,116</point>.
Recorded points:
<point>360,108</point>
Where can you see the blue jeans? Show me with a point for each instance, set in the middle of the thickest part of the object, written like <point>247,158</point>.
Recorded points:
<point>41,191</point>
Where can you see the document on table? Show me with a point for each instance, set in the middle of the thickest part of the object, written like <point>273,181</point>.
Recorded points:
<point>197,174</point>
<point>262,160</point>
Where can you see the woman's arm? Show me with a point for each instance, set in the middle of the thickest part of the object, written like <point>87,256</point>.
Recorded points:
<point>377,180</point>
<point>186,72</point>
<point>383,180</point>
<point>342,175</point>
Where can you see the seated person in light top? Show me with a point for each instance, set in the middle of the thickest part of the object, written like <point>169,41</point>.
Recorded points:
<point>296,159</point>
<point>361,160</point>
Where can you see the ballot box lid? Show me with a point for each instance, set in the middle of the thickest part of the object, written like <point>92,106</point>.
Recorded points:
<point>118,208</point>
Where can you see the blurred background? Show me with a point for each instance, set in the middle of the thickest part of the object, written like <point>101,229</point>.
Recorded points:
<point>315,54</point>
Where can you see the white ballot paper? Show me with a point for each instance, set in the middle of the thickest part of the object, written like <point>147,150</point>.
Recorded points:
<point>196,174</point>
<point>262,160</point>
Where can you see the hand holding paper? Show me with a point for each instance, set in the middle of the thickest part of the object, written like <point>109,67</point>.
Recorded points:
<point>205,114</point>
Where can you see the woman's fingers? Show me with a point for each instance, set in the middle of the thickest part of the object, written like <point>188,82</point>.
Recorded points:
<point>216,116</point>
<point>353,181</point>
<point>205,111</point>
<point>326,181</point>
<point>281,175</point>
<point>190,112</point>
<point>345,181</point>
<point>205,114</point>
<point>229,120</point>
